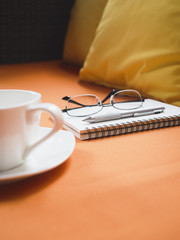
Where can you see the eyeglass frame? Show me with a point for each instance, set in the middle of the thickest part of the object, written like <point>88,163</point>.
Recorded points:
<point>111,95</point>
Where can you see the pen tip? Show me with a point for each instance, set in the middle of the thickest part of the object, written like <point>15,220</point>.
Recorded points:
<point>86,119</point>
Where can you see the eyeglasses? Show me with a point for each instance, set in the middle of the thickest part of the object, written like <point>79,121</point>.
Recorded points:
<point>88,104</point>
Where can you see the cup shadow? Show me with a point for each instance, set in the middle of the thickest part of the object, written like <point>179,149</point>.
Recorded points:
<point>31,185</point>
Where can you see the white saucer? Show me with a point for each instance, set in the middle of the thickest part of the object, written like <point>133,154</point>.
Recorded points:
<point>45,157</point>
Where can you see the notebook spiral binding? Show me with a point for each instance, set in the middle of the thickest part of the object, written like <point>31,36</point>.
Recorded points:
<point>134,126</point>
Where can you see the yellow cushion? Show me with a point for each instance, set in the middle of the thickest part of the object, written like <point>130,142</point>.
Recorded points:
<point>137,45</point>
<point>85,17</point>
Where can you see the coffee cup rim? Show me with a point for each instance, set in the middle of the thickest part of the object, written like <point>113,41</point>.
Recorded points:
<point>36,94</point>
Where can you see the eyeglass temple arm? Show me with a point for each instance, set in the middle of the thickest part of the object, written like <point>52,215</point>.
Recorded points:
<point>109,95</point>
<point>67,98</point>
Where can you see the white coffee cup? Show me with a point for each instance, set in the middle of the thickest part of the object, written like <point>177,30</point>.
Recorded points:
<point>20,113</point>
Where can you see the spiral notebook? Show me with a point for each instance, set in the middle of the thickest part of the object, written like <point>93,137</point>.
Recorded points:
<point>84,130</point>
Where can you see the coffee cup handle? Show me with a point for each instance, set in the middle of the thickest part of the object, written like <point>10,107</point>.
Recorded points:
<point>57,117</point>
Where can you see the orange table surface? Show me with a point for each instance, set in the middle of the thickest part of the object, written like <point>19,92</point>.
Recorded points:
<point>123,187</point>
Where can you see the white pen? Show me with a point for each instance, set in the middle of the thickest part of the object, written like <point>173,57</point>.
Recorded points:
<point>116,115</point>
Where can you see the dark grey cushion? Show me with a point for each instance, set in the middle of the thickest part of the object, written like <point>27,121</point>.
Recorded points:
<point>32,30</point>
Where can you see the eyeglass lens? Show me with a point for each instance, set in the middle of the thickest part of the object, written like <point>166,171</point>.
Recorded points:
<point>127,99</point>
<point>90,104</point>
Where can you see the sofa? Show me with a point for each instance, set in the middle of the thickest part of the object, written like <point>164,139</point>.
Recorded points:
<point>117,187</point>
